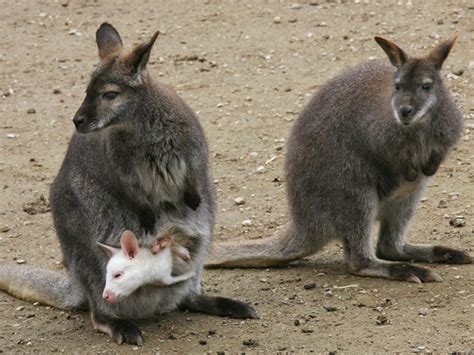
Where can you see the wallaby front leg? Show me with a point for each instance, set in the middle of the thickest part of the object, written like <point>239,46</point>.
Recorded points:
<point>394,218</point>
<point>170,280</point>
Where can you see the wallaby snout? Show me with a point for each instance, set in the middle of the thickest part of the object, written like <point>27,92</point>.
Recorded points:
<point>110,297</point>
<point>405,114</point>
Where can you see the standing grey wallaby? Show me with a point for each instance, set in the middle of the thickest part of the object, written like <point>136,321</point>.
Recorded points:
<point>139,161</point>
<point>362,150</point>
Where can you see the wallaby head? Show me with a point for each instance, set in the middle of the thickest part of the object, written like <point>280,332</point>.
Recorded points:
<point>126,269</point>
<point>116,87</point>
<point>417,83</point>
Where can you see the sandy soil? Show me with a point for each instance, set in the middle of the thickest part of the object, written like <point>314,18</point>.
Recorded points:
<point>247,68</point>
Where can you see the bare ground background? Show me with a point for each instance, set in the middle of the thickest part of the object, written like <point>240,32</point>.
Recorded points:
<point>247,68</point>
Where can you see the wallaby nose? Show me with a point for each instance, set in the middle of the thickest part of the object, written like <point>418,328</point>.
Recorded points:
<point>405,111</point>
<point>109,297</point>
<point>78,120</point>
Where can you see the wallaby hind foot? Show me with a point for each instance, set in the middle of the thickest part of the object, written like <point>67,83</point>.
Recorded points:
<point>121,331</point>
<point>219,306</point>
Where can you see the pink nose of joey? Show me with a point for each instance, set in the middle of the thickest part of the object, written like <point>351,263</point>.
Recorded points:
<point>110,297</point>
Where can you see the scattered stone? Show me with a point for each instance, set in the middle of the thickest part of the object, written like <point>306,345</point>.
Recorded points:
<point>250,342</point>
<point>295,6</point>
<point>247,223</point>
<point>212,332</point>
<point>31,111</point>
<point>423,312</point>
<point>457,222</point>
<point>330,308</point>
<point>41,205</point>
<point>172,336</point>
<point>277,19</point>
<point>20,308</point>
<point>56,91</point>
<point>12,135</point>
<point>307,330</point>
<point>260,169</point>
<point>135,348</point>
<point>309,286</point>
<point>297,322</point>
<point>239,201</point>
<point>440,21</point>
<point>20,261</point>
<point>382,319</point>
<point>202,342</point>
<point>458,72</point>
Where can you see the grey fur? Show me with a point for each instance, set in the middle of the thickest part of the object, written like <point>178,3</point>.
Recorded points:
<point>351,159</point>
<point>138,163</point>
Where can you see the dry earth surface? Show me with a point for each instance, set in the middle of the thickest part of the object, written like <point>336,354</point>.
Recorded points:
<point>247,68</point>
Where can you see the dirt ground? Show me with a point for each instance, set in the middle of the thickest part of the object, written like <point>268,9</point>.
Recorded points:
<point>247,68</point>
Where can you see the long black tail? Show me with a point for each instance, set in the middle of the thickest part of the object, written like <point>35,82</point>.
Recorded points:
<point>219,306</point>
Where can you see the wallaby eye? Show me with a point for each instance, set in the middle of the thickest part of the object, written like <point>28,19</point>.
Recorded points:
<point>118,275</point>
<point>110,95</point>
<point>397,86</point>
<point>426,87</point>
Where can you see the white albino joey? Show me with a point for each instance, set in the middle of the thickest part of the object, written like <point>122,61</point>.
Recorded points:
<point>132,266</point>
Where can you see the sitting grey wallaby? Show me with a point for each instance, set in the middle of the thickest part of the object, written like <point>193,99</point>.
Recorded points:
<point>139,161</point>
<point>363,149</point>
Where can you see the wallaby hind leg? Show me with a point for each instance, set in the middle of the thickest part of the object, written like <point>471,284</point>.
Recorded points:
<point>121,331</point>
<point>394,218</point>
<point>361,259</point>
<point>282,248</point>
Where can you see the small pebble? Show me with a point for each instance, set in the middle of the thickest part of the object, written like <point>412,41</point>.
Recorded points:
<point>31,111</point>
<point>309,286</point>
<point>20,261</point>
<point>382,319</point>
<point>423,312</point>
<point>20,308</point>
<point>330,308</point>
<point>247,223</point>
<point>277,19</point>
<point>297,322</point>
<point>260,169</point>
<point>239,201</point>
<point>56,91</point>
<point>457,222</point>
<point>307,330</point>
<point>250,342</point>
<point>202,342</point>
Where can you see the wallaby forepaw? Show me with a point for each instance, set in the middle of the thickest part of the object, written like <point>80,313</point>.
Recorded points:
<point>410,273</point>
<point>451,256</point>
<point>126,332</point>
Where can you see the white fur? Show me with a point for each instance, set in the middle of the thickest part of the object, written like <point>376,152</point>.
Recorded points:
<point>395,111</point>
<point>143,269</point>
<point>422,112</point>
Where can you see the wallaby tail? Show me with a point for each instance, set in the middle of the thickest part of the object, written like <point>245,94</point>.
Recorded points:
<point>48,287</point>
<point>280,249</point>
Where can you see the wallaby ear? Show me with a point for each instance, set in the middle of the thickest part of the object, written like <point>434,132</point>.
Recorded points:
<point>129,244</point>
<point>109,42</point>
<point>439,53</point>
<point>138,58</point>
<point>396,55</point>
<point>108,250</point>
